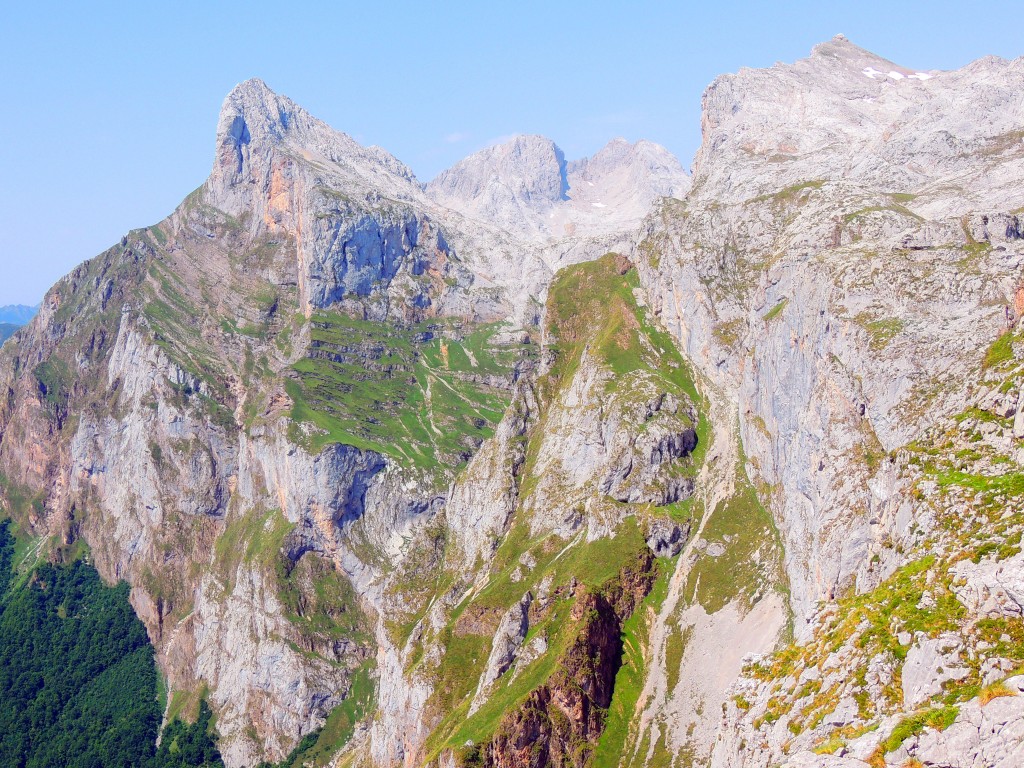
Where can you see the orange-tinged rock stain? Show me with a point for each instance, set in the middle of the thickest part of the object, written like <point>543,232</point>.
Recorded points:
<point>1018,301</point>
<point>280,200</point>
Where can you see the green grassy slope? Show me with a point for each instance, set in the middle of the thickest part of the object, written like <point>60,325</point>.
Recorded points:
<point>426,395</point>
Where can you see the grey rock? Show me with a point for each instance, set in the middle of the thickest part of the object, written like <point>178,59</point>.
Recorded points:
<point>929,664</point>
<point>667,538</point>
<point>992,735</point>
<point>507,639</point>
<point>525,186</point>
<point>991,588</point>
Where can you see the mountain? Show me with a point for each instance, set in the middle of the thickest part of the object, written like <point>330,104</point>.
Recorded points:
<point>17,314</point>
<point>847,273</point>
<point>526,186</point>
<point>12,317</point>
<point>564,462</point>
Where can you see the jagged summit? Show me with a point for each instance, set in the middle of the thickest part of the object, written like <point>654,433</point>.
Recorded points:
<point>855,65</point>
<point>842,52</point>
<point>621,173</point>
<point>253,109</point>
<point>526,186</point>
<point>527,167</point>
<point>508,214</point>
<point>513,184</point>
<point>255,121</point>
<point>523,186</point>
<point>844,113</point>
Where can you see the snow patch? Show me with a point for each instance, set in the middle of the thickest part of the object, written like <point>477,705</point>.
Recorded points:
<point>599,205</point>
<point>872,73</point>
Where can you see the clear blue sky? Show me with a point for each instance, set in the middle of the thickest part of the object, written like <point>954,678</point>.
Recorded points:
<point>109,110</point>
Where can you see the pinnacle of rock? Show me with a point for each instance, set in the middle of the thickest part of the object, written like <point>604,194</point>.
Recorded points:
<point>254,121</point>
<point>251,110</point>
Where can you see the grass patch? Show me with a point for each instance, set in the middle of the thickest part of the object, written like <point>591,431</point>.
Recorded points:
<point>893,208</point>
<point>881,331</point>
<point>423,394</point>
<point>749,568</point>
<point>994,691</point>
<point>792,193</point>
<point>320,600</point>
<point>775,311</point>
<point>939,719</point>
<point>1000,351</point>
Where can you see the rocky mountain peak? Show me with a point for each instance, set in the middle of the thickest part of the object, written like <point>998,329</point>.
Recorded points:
<point>526,186</point>
<point>858,72</point>
<point>287,173</point>
<point>251,110</point>
<point>256,122</point>
<point>842,52</point>
<point>646,169</point>
<point>846,113</point>
<point>526,171</point>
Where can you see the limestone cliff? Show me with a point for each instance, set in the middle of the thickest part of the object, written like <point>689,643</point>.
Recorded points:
<point>848,253</point>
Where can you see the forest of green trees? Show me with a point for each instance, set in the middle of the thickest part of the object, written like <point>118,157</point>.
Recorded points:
<point>78,681</point>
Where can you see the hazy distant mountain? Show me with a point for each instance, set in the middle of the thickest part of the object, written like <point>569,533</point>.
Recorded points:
<point>6,329</point>
<point>17,314</point>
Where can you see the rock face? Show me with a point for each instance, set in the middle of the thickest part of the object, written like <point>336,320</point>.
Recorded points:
<point>992,734</point>
<point>857,505</point>
<point>991,589</point>
<point>817,272</point>
<point>425,457</point>
<point>929,665</point>
<point>507,641</point>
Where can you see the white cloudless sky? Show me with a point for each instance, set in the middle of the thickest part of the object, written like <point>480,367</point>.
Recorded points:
<point>109,109</point>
